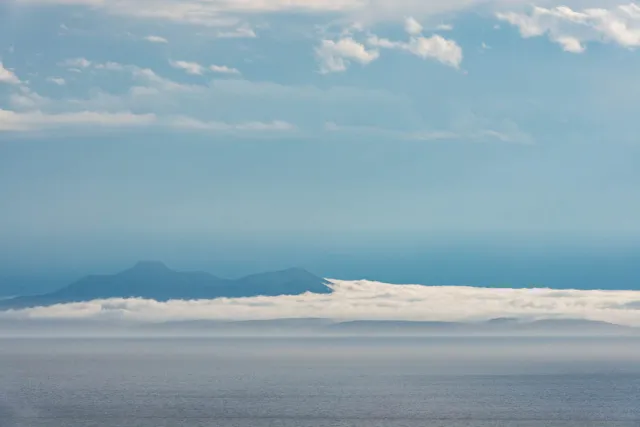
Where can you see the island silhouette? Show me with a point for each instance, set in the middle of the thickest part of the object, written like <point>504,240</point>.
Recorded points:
<point>154,280</point>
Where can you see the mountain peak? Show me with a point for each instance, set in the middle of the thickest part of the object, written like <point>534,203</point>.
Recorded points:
<point>150,267</point>
<point>154,280</point>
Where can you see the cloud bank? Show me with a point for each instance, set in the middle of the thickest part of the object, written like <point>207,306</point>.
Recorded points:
<point>366,300</point>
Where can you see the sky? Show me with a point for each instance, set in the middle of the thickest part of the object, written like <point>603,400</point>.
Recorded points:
<point>131,125</point>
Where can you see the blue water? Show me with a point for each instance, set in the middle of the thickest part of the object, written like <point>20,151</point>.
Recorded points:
<point>314,382</point>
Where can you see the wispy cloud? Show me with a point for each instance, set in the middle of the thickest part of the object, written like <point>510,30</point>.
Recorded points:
<point>223,69</point>
<point>230,13</point>
<point>352,300</point>
<point>504,132</point>
<point>57,81</point>
<point>35,120</point>
<point>218,126</point>
<point>444,27</point>
<point>189,67</point>
<point>242,32</point>
<point>77,63</point>
<point>194,68</point>
<point>156,39</point>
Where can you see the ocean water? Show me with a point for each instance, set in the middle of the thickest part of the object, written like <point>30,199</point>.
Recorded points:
<point>319,382</point>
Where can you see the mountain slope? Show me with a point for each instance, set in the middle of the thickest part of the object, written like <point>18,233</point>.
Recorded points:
<point>154,280</point>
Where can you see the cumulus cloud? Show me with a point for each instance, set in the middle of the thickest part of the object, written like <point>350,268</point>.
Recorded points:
<point>223,69</point>
<point>8,76</point>
<point>335,56</point>
<point>570,44</point>
<point>189,67</point>
<point>571,28</point>
<point>156,39</point>
<point>435,47</point>
<point>354,300</point>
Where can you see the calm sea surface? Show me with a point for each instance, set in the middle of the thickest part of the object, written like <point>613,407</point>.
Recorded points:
<point>319,382</point>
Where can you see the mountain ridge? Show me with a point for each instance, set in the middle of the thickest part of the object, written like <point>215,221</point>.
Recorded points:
<point>154,280</point>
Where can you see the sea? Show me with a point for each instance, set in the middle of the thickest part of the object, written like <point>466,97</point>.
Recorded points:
<point>304,382</point>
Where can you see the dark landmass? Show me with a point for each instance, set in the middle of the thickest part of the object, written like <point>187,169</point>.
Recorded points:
<point>389,326</point>
<point>154,280</point>
<point>494,326</point>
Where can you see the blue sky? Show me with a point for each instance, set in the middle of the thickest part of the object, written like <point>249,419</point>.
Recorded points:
<point>317,118</point>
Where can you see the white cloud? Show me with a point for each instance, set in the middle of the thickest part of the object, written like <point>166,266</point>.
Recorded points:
<point>156,39</point>
<point>8,76</point>
<point>572,29</point>
<point>353,300</point>
<point>217,126</point>
<point>32,112</point>
<point>223,69</point>
<point>78,63</point>
<point>412,26</point>
<point>189,67</point>
<point>197,69</point>
<point>221,104</point>
<point>57,80</point>
<point>435,47</point>
<point>335,56</point>
<point>35,120</point>
<point>444,27</point>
